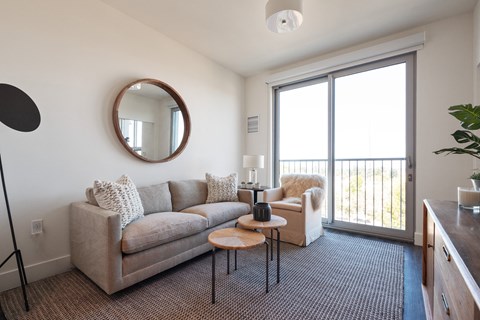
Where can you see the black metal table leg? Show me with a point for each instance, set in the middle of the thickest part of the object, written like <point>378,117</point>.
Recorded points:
<point>235,259</point>
<point>271,244</point>
<point>213,275</point>
<point>228,261</point>
<point>278,255</point>
<point>266,272</point>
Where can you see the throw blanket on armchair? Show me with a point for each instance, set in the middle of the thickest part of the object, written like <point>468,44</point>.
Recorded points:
<point>294,185</point>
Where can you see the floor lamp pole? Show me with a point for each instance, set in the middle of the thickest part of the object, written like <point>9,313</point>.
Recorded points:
<point>16,251</point>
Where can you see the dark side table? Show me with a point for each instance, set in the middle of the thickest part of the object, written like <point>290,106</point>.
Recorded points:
<point>256,191</point>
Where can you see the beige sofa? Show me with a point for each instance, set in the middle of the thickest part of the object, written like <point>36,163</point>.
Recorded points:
<point>174,229</point>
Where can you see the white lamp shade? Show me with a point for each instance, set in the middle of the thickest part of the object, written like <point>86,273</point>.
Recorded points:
<point>253,161</point>
<point>283,15</point>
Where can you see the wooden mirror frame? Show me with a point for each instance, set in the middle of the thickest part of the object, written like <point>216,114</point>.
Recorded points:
<point>181,105</point>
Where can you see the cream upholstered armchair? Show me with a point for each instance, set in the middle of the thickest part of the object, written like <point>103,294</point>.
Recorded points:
<point>299,200</point>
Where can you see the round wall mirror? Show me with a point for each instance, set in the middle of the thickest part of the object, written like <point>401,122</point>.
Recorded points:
<point>151,120</point>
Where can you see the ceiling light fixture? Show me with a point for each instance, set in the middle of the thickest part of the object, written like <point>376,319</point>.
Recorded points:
<point>283,15</point>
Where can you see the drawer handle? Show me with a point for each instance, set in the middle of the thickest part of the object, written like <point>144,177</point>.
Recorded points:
<point>445,304</point>
<point>446,253</point>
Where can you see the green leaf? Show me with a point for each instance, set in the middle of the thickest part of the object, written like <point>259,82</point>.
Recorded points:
<point>463,136</point>
<point>458,151</point>
<point>468,115</point>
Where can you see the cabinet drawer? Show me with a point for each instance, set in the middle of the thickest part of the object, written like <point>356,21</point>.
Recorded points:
<point>442,308</point>
<point>450,290</point>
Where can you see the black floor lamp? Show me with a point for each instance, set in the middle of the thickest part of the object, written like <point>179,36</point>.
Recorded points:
<point>19,112</point>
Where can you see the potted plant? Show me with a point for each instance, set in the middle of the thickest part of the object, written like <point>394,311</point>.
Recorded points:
<point>469,117</point>
<point>475,178</point>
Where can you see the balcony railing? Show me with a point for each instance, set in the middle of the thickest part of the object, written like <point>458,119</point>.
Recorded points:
<point>367,191</point>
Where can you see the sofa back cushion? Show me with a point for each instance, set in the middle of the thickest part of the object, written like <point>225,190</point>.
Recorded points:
<point>187,193</point>
<point>156,198</point>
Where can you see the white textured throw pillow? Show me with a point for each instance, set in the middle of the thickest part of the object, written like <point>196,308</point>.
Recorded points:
<point>221,189</point>
<point>121,196</point>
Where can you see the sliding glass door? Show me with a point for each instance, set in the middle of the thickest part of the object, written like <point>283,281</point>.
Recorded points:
<point>302,133</point>
<point>355,127</point>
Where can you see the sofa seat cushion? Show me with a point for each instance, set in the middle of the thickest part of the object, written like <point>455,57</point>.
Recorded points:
<point>220,212</point>
<point>286,205</point>
<point>159,228</point>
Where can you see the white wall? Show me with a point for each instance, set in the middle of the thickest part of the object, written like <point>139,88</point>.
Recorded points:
<point>476,45</point>
<point>476,34</point>
<point>73,58</point>
<point>444,77</point>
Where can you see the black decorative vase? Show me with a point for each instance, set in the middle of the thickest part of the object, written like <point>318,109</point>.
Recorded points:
<point>262,211</point>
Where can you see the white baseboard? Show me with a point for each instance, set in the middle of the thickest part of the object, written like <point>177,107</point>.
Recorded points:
<point>418,239</point>
<point>10,279</point>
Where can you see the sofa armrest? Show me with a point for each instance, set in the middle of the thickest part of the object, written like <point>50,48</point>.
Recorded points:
<point>274,194</point>
<point>246,196</point>
<point>95,243</point>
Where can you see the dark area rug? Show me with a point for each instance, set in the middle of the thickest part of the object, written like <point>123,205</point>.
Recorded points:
<point>337,277</point>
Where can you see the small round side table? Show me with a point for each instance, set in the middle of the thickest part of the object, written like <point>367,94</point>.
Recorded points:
<point>235,239</point>
<point>275,222</point>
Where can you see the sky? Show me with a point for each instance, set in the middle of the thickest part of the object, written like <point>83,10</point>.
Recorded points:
<point>369,110</point>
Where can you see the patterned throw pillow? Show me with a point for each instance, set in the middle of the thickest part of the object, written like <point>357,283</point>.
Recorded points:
<point>121,196</point>
<point>221,189</point>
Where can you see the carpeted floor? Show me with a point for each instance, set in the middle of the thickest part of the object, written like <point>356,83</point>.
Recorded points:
<point>336,277</point>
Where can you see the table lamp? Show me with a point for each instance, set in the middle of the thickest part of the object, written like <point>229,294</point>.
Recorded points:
<point>253,162</point>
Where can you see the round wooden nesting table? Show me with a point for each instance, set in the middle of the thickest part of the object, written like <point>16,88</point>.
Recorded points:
<point>235,239</point>
<point>275,222</point>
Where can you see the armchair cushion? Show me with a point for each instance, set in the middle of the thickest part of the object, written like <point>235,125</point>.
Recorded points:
<point>286,205</point>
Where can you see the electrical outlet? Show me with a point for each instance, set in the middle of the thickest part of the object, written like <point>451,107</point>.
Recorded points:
<point>37,226</point>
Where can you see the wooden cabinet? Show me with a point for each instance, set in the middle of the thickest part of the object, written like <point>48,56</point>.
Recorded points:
<point>451,261</point>
<point>428,245</point>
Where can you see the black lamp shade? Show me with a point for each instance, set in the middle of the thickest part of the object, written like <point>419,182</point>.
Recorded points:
<point>17,109</point>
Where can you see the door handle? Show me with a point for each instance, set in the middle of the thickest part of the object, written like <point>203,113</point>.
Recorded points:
<point>409,162</point>
<point>446,253</point>
<point>445,304</point>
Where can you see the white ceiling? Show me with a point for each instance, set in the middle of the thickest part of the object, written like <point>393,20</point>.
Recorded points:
<point>233,32</point>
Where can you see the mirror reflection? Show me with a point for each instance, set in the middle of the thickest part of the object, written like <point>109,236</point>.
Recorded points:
<point>150,120</point>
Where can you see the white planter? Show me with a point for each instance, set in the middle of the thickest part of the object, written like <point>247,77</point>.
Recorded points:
<point>469,198</point>
<point>476,184</point>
